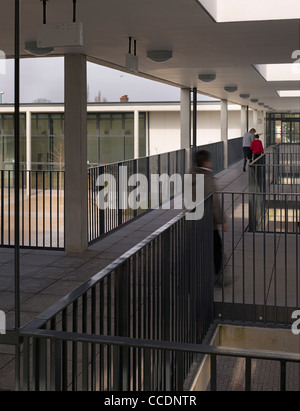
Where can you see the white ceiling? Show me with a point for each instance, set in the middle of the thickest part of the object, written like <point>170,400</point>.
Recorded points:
<point>199,44</point>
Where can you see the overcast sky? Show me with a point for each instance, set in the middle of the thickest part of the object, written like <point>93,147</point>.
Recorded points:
<point>42,78</point>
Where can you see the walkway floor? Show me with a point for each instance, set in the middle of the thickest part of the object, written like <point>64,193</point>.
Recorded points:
<point>46,276</point>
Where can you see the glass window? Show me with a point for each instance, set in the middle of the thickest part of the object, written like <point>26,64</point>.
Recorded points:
<point>129,148</point>
<point>116,127</point>
<point>56,125</point>
<point>9,149</point>
<point>92,149</point>
<point>40,147</point>
<point>43,125</point>
<point>129,124</point>
<point>111,149</point>
<point>104,124</point>
<point>92,127</point>
<point>57,153</point>
<point>8,125</point>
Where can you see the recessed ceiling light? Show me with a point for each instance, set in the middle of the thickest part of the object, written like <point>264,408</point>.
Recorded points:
<point>159,56</point>
<point>230,89</point>
<point>245,95</point>
<point>279,72</point>
<point>288,93</point>
<point>245,10</point>
<point>261,104</point>
<point>32,48</point>
<point>207,77</point>
<point>254,100</point>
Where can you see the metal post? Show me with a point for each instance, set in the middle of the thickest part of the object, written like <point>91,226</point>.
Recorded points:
<point>17,160</point>
<point>194,117</point>
<point>16,189</point>
<point>247,118</point>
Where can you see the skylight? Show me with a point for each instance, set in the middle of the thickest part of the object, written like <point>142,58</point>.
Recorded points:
<point>253,10</point>
<point>288,93</point>
<point>279,72</point>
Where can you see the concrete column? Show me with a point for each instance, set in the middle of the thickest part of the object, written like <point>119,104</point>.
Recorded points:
<point>224,129</point>
<point>185,118</point>
<point>255,119</point>
<point>185,126</point>
<point>28,149</point>
<point>136,134</point>
<point>243,120</point>
<point>76,181</point>
<point>261,126</point>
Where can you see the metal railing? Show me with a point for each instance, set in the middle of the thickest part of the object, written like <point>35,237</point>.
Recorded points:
<point>127,364</point>
<point>100,220</point>
<point>260,274</point>
<point>41,208</point>
<point>161,290</point>
<point>42,195</point>
<point>140,324</point>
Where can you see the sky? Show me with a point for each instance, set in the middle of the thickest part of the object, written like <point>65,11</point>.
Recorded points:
<point>43,78</point>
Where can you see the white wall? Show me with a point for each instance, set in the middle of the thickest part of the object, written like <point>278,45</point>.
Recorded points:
<point>164,132</point>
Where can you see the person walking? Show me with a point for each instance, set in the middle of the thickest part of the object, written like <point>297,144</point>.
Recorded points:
<point>256,147</point>
<point>247,140</point>
<point>204,166</point>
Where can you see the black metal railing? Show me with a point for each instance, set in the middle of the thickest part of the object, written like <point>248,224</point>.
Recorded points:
<point>41,208</point>
<point>140,324</point>
<point>260,275</point>
<point>235,150</point>
<point>116,211</point>
<point>99,363</point>
<point>161,290</point>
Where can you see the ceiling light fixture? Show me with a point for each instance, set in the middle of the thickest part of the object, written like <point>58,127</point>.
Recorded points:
<point>31,47</point>
<point>132,61</point>
<point>245,96</point>
<point>230,89</point>
<point>60,34</point>
<point>207,77</point>
<point>159,56</point>
<point>261,104</point>
<point>254,100</point>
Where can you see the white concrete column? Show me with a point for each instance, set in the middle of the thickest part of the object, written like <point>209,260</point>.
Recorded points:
<point>261,126</point>
<point>255,119</point>
<point>243,120</point>
<point>136,134</point>
<point>28,149</point>
<point>76,181</point>
<point>185,118</point>
<point>224,129</point>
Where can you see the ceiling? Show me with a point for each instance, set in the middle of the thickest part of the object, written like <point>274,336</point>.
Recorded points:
<point>199,44</point>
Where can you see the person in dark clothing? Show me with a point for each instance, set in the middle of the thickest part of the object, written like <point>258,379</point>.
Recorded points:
<point>247,140</point>
<point>204,166</point>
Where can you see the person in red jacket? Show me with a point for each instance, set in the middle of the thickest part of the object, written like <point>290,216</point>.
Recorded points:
<point>256,147</point>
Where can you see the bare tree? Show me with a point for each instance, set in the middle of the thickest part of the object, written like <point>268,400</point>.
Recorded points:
<point>98,97</point>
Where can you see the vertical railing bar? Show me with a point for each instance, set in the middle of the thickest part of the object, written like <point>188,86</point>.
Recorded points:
<point>74,345</point>
<point>44,212</point>
<point>213,372</point>
<point>248,374</point>
<point>282,375</point>
<point>29,207</point>
<point>51,217</point>
<point>286,261</point>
